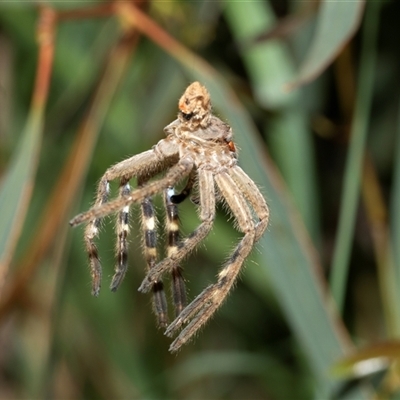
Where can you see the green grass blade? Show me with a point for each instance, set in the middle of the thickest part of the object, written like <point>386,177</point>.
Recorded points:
<point>352,179</point>
<point>395,201</point>
<point>268,63</point>
<point>337,22</point>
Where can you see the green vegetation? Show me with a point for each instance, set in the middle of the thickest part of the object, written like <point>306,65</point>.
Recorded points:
<point>312,95</point>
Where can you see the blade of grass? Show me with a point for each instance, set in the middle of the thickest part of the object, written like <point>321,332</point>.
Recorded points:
<point>377,214</point>
<point>352,178</point>
<point>337,22</point>
<point>268,63</point>
<point>395,201</point>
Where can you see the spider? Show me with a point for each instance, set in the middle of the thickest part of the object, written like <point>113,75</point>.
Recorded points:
<point>198,151</point>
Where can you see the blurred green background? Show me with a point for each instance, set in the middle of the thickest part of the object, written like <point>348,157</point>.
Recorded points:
<point>311,90</point>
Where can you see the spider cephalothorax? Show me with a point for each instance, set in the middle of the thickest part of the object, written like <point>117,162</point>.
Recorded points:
<point>199,149</point>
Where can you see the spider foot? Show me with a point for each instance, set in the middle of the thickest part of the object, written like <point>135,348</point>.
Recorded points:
<point>203,314</point>
<point>96,280</point>
<point>116,280</point>
<point>195,314</point>
<point>146,285</point>
<point>160,305</point>
<point>95,291</point>
<point>78,219</point>
<point>95,267</point>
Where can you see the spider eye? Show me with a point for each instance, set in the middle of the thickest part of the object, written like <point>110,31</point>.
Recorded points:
<point>187,117</point>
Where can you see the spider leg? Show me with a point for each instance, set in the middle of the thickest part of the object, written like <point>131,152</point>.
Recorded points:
<point>122,229</point>
<point>207,215</point>
<point>204,306</point>
<point>91,232</point>
<point>149,248</point>
<point>150,251</point>
<point>175,173</point>
<point>178,198</point>
<point>172,227</point>
<point>253,196</point>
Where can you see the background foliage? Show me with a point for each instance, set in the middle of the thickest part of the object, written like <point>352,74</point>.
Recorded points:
<point>311,91</point>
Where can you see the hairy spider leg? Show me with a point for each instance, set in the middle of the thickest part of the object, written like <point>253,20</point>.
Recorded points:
<point>207,216</point>
<point>173,236</point>
<point>178,198</point>
<point>171,199</point>
<point>91,232</point>
<point>149,226</point>
<point>122,230</point>
<point>177,172</point>
<point>254,197</point>
<point>204,306</point>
